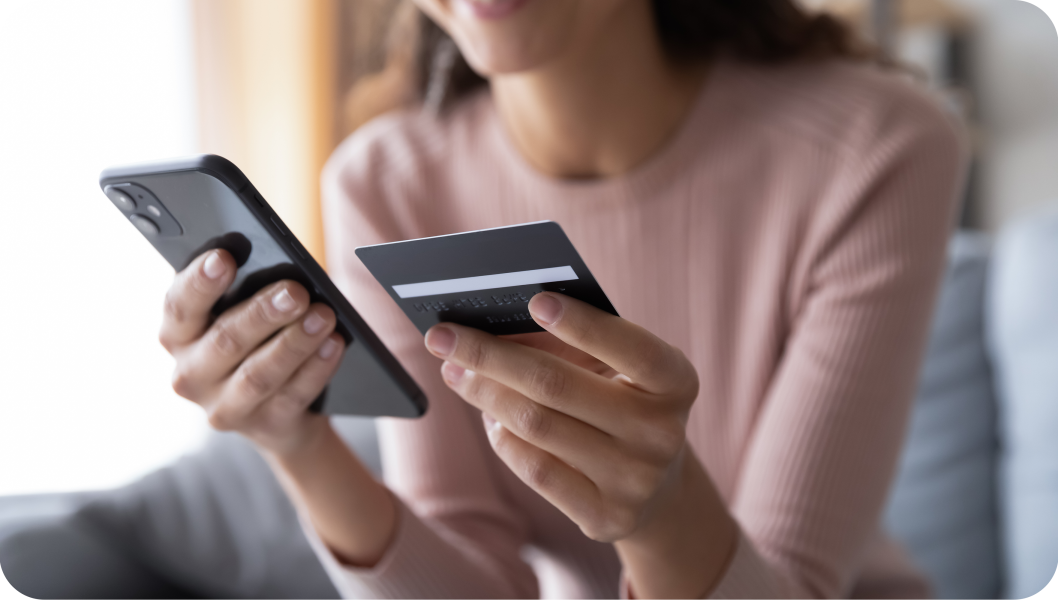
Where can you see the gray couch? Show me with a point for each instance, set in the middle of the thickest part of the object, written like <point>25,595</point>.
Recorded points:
<point>975,501</point>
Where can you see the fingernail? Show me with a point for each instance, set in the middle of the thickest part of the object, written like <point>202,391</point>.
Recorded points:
<point>546,308</point>
<point>491,425</point>
<point>441,340</point>
<point>452,373</point>
<point>314,323</point>
<point>328,348</point>
<point>214,266</point>
<point>283,301</point>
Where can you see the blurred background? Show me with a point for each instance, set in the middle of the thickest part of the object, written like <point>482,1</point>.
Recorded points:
<point>275,85</point>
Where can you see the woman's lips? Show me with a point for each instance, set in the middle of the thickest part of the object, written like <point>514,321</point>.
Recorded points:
<point>488,9</point>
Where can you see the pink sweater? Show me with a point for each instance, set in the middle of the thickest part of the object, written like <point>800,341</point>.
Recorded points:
<point>788,239</point>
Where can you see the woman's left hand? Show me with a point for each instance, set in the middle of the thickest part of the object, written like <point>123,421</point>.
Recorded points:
<point>596,427</point>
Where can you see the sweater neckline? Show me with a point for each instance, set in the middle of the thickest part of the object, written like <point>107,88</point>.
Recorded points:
<point>651,174</point>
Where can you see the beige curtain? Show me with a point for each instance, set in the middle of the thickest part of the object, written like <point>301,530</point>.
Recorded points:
<point>267,73</point>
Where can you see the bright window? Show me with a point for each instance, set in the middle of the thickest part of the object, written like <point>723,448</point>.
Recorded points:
<point>85,401</point>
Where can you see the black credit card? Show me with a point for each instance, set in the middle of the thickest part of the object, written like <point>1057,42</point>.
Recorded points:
<point>482,279</point>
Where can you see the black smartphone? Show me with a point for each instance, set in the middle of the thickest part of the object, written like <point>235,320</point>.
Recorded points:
<point>185,207</point>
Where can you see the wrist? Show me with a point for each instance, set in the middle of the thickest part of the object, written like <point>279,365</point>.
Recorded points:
<point>683,549</point>
<point>353,514</point>
<point>305,444</point>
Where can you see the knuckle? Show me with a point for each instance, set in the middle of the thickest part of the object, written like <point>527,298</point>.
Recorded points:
<point>221,420</point>
<point>475,354</point>
<point>583,331</point>
<point>253,382</point>
<point>292,349</point>
<point>688,374</point>
<point>198,283</point>
<point>537,473</point>
<point>547,385</point>
<point>622,522</point>
<point>610,524</point>
<point>172,310</point>
<point>500,442</point>
<point>166,340</point>
<point>478,390</point>
<point>182,383</point>
<point>224,340</point>
<point>667,439</point>
<point>600,532</point>
<point>592,524</point>
<point>641,482</point>
<point>533,423</point>
<point>679,355</point>
<point>291,399</point>
<point>261,311</point>
<point>655,356</point>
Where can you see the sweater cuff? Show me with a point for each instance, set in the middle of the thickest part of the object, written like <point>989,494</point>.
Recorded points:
<point>747,576</point>
<point>407,569</point>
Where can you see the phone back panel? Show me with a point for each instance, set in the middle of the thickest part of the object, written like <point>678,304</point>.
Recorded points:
<point>214,206</point>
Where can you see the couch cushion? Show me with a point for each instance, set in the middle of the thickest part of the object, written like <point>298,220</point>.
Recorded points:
<point>1023,335</point>
<point>218,524</point>
<point>63,557</point>
<point>942,507</point>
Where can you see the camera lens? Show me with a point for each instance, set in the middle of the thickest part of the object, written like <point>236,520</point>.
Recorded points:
<point>121,199</point>
<point>145,225</point>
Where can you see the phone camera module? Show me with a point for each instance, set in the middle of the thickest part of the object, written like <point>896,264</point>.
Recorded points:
<point>121,199</point>
<point>145,225</point>
<point>143,209</point>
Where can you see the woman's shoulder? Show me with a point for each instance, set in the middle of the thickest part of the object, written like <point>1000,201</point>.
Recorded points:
<point>842,105</point>
<point>408,141</point>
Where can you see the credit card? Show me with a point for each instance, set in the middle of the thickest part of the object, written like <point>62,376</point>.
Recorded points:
<point>482,279</point>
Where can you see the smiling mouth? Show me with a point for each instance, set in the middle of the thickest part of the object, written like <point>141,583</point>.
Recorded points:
<point>489,9</point>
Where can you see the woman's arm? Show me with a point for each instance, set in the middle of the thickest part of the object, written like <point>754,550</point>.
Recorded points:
<point>817,470</point>
<point>354,514</point>
<point>445,525</point>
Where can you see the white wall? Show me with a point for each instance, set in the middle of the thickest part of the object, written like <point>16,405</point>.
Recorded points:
<point>84,386</point>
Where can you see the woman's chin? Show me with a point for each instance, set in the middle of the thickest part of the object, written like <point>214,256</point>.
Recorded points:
<point>509,36</point>
<point>505,56</point>
<point>487,9</point>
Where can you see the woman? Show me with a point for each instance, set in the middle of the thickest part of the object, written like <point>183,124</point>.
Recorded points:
<point>766,209</point>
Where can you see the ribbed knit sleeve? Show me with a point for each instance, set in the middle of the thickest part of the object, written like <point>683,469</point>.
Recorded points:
<point>457,536</point>
<point>820,459</point>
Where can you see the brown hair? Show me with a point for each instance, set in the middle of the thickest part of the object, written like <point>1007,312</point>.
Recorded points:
<point>768,31</point>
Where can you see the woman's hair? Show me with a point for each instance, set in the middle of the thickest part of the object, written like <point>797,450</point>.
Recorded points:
<point>763,31</point>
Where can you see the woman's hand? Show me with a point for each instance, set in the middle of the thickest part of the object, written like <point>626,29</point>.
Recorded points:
<point>596,425</point>
<point>257,367</point>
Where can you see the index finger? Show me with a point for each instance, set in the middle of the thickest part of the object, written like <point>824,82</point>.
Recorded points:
<point>194,292</point>
<point>537,375</point>
<point>648,361</point>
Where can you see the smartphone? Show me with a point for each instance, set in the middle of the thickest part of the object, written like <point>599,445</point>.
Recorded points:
<point>187,206</point>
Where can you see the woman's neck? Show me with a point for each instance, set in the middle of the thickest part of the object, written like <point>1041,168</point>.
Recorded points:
<point>603,107</point>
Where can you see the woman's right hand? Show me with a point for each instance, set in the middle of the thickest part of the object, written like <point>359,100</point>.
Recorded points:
<point>258,366</point>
